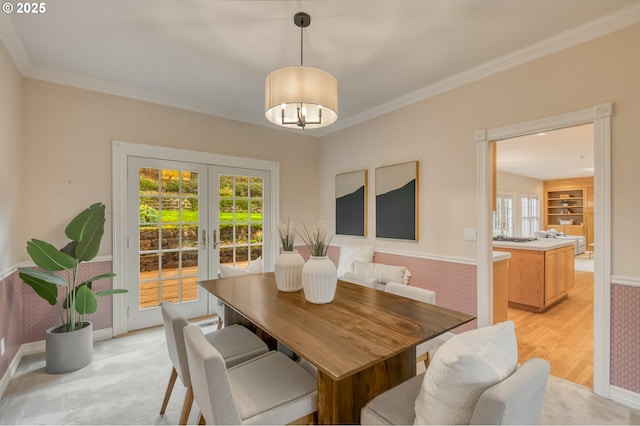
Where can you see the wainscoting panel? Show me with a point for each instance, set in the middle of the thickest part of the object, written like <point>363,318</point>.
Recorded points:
<point>625,337</point>
<point>38,315</point>
<point>454,283</point>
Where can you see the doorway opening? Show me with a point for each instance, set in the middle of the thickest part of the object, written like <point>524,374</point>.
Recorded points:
<point>546,175</point>
<point>600,117</point>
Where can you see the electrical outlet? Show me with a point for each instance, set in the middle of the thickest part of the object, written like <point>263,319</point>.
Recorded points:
<point>470,234</point>
<point>2,348</point>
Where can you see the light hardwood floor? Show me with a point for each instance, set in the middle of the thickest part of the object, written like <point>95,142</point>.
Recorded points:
<point>563,335</point>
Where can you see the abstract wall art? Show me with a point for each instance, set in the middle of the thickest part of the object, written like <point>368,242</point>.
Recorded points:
<point>397,201</point>
<point>351,203</point>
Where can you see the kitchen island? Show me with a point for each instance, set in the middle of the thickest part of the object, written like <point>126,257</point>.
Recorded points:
<point>540,272</point>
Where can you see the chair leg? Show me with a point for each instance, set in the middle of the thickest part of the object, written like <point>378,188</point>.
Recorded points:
<point>427,360</point>
<point>219,322</point>
<point>186,408</point>
<point>167,393</point>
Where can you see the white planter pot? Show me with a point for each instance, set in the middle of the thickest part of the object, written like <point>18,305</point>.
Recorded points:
<point>67,352</point>
<point>288,271</point>
<point>319,279</point>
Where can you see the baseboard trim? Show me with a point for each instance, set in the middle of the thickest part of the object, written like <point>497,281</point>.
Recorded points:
<point>626,397</point>
<point>38,347</point>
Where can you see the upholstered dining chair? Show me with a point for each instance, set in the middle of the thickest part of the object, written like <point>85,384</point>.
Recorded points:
<point>269,389</point>
<point>421,295</point>
<point>517,399</point>
<point>235,343</point>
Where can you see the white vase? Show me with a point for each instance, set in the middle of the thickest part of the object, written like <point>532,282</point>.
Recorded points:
<point>319,279</point>
<point>288,270</point>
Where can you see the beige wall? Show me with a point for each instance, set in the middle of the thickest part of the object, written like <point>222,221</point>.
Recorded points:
<point>439,133</point>
<point>67,153</point>
<point>10,171</point>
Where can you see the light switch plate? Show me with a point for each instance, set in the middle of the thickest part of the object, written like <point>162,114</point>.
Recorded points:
<point>2,348</point>
<point>470,234</point>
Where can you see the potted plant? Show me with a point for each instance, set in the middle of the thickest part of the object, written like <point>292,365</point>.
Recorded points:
<point>289,264</point>
<point>319,275</point>
<point>69,346</point>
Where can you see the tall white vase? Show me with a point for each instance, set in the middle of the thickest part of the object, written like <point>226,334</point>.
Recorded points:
<point>319,279</point>
<point>288,271</point>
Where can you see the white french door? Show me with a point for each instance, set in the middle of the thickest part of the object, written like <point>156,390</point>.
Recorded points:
<point>167,217</point>
<point>241,213</point>
<point>183,220</point>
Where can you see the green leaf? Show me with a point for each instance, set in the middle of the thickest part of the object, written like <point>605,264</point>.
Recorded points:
<point>87,229</point>
<point>112,291</point>
<point>76,227</point>
<point>48,257</point>
<point>48,291</point>
<point>98,277</point>
<point>86,302</point>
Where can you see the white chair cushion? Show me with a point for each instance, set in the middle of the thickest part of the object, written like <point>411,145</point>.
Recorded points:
<point>348,254</point>
<point>236,344</point>
<point>462,369</point>
<point>363,280</point>
<point>254,267</point>
<point>272,389</point>
<point>411,292</point>
<point>381,272</point>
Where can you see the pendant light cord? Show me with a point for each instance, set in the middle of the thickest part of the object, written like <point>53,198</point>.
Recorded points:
<point>301,44</point>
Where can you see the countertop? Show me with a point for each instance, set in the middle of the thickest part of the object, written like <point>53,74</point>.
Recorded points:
<point>501,255</point>
<point>543,244</point>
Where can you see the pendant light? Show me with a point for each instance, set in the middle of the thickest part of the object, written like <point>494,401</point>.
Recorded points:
<point>301,97</point>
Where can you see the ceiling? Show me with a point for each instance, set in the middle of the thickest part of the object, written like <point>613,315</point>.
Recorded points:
<point>557,154</point>
<point>212,56</point>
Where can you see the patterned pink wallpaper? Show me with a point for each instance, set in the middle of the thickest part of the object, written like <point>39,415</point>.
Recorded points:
<point>10,314</point>
<point>625,337</point>
<point>38,315</point>
<point>454,283</point>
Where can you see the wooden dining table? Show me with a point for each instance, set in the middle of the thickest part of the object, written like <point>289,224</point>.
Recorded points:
<point>362,343</point>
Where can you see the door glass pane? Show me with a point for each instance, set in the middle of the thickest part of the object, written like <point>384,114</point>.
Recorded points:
<point>241,205</point>
<point>168,203</point>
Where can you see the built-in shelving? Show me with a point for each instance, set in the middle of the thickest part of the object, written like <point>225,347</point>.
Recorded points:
<point>567,207</point>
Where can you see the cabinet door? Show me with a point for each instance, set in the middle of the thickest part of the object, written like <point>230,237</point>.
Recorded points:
<point>574,230</point>
<point>588,222</point>
<point>526,275</point>
<point>551,271</point>
<point>569,267</point>
<point>588,199</point>
<point>561,272</point>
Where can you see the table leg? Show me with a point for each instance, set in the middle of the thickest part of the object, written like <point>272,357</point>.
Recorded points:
<point>340,402</point>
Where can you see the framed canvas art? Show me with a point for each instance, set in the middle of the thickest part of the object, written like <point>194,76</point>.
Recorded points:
<point>397,201</point>
<point>351,203</point>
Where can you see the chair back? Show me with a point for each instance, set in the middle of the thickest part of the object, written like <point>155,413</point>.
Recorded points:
<point>517,399</point>
<point>174,324</point>
<point>209,379</point>
<point>411,292</point>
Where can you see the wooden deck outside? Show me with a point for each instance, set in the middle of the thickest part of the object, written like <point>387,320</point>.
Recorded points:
<point>149,294</point>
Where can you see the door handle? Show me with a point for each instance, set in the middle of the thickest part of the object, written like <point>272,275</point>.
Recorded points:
<point>215,239</point>
<point>204,239</point>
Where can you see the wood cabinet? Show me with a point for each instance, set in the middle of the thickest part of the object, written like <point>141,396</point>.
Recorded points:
<point>539,279</point>
<point>568,206</point>
<point>500,290</point>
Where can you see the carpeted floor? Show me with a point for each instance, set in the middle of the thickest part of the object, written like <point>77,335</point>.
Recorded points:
<point>125,385</point>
